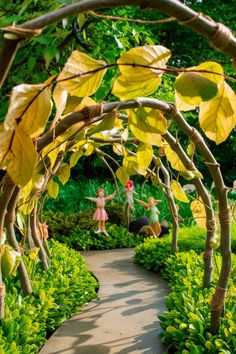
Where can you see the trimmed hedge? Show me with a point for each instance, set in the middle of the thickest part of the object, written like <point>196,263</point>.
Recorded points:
<point>57,294</point>
<point>186,323</point>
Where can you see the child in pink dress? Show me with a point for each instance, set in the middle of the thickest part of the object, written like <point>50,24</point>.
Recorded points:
<point>100,214</point>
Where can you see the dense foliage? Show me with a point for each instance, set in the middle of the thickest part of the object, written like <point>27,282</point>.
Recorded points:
<point>186,323</point>
<point>57,294</point>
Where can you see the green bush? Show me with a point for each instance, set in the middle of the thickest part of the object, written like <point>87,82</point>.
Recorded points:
<point>57,294</point>
<point>186,323</point>
<point>119,237</point>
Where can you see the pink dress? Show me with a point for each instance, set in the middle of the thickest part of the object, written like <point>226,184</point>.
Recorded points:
<point>100,213</point>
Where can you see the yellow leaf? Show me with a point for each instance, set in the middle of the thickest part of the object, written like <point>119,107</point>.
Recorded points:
<point>144,155</point>
<point>178,192</point>
<point>88,149</point>
<point>147,125</point>
<point>60,99</point>
<point>174,159</point>
<point>53,188</point>
<point>85,85</point>
<point>30,106</point>
<point>118,149</point>
<point>64,173</point>
<point>193,87</point>
<point>218,117</point>
<point>5,141</point>
<point>137,80</point>
<point>22,159</point>
<point>132,166</point>
<point>181,105</point>
<point>75,157</point>
<point>129,87</point>
<point>150,55</point>
<point>199,212</point>
<point>122,175</point>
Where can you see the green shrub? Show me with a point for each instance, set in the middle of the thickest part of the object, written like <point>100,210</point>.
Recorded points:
<point>57,294</point>
<point>186,323</point>
<point>119,237</point>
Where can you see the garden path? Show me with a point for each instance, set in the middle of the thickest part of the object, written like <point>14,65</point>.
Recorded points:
<point>124,319</point>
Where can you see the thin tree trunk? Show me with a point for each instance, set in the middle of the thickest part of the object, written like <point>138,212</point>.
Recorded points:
<point>36,238</point>
<point>172,205</point>
<point>7,190</point>
<point>218,299</point>
<point>210,219</point>
<point>9,220</point>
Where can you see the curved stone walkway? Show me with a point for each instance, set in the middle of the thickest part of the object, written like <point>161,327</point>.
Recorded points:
<point>124,319</point>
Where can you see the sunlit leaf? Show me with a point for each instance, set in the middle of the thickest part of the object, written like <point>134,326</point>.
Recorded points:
<point>10,260</point>
<point>178,192</point>
<point>127,87</point>
<point>144,155</point>
<point>218,117</point>
<point>155,56</point>
<point>132,166</point>
<point>199,213</point>
<point>64,173</point>
<point>194,87</point>
<point>5,141</point>
<point>137,79</point>
<point>174,159</point>
<point>22,159</point>
<point>122,175</point>
<point>147,124</point>
<point>85,85</point>
<point>30,106</point>
<point>53,188</point>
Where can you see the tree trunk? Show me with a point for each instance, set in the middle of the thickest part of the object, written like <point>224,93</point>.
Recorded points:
<point>210,219</point>
<point>7,190</point>
<point>9,220</point>
<point>218,299</point>
<point>37,240</point>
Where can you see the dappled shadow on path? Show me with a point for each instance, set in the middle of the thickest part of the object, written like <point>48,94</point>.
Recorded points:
<point>124,319</point>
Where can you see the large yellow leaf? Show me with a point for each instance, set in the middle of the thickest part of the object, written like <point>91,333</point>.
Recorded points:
<point>129,87</point>
<point>60,98</point>
<point>147,125</point>
<point>64,173</point>
<point>218,117</point>
<point>122,175</point>
<point>30,106</point>
<point>144,155</point>
<point>106,124</point>
<point>53,188</point>
<point>178,192</point>
<point>85,85</point>
<point>22,159</point>
<point>195,87</point>
<point>150,55</point>
<point>136,80</point>
<point>199,213</point>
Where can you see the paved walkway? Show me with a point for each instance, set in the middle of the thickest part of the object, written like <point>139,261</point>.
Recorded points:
<point>124,319</point>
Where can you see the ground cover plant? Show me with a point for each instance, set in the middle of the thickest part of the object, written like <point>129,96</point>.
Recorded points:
<point>57,294</point>
<point>186,322</point>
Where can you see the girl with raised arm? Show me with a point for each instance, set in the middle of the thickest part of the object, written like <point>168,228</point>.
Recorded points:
<point>153,214</point>
<point>100,214</point>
